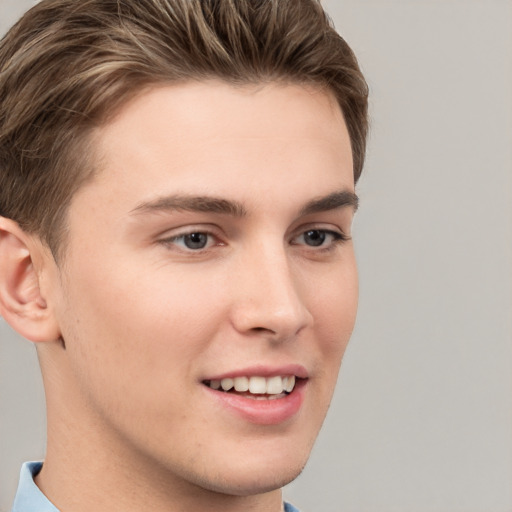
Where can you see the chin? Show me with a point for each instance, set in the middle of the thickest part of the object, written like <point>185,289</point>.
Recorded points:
<point>251,481</point>
<point>246,474</point>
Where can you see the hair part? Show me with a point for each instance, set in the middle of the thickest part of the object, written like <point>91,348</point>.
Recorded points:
<point>68,66</point>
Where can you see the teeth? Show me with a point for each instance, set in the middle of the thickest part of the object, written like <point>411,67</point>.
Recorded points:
<point>274,385</point>
<point>226,384</point>
<point>256,385</point>
<point>290,384</point>
<point>241,384</point>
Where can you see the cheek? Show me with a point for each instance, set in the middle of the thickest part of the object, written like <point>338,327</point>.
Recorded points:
<point>335,304</point>
<point>335,312</point>
<point>137,298</point>
<point>135,326</point>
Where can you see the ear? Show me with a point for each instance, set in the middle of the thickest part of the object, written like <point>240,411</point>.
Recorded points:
<point>22,304</point>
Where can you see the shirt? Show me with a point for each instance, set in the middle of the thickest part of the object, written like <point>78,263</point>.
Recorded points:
<point>30,499</point>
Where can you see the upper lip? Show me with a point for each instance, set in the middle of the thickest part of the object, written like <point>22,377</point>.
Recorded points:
<point>263,371</point>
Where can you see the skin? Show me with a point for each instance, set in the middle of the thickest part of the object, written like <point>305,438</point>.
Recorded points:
<point>145,319</point>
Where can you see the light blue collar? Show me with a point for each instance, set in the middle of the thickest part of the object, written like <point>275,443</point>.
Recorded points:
<point>28,497</point>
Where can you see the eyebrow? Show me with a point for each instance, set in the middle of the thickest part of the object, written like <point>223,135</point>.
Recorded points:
<point>340,199</point>
<point>208,204</point>
<point>205,204</point>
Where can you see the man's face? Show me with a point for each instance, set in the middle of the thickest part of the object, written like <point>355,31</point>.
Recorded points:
<point>212,249</point>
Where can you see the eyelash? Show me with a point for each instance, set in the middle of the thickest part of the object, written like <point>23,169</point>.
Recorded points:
<point>173,240</point>
<point>337,238</point>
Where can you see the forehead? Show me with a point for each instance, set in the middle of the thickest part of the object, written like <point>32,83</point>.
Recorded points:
<point>208,109</point>
<point>211,137</point>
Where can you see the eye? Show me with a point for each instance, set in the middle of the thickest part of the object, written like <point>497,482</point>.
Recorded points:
<point>314,237</point>
<point>319,238</point>
<point>194,241</point>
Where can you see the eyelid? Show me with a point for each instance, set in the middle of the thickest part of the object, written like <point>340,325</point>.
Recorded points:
<point>187,229</point>
<point>169,237</point>
<point>330,228</point>
<point>339,237</point>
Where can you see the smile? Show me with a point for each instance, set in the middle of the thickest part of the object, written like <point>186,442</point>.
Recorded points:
<point>262,394</point>
<point>256,387</point>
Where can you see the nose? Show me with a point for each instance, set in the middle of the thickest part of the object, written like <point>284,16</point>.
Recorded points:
<point>269,296</point>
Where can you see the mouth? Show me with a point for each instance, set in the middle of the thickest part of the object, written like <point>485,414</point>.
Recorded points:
<point>260,395</point>
<point>255,387</point>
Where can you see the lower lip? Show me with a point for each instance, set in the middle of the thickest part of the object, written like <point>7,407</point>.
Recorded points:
<point>263,412</point>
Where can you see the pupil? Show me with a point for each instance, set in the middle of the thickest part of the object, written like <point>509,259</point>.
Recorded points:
<point>196,240</point>
<point>314,237</point>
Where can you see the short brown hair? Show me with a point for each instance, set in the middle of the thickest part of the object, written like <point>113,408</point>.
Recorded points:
<point>68,65</point>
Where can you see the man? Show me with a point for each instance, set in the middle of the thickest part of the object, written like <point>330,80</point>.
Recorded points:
<point>176,198</point>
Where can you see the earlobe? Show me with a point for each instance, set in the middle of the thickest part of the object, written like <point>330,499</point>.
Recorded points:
<point>22,304</point>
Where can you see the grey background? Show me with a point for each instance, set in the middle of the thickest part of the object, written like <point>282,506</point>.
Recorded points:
<point>422,417</point>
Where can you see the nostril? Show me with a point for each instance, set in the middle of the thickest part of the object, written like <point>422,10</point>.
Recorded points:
<point>262,329</point>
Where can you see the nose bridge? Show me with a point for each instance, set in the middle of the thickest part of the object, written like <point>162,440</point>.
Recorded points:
<point>269,299</point>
